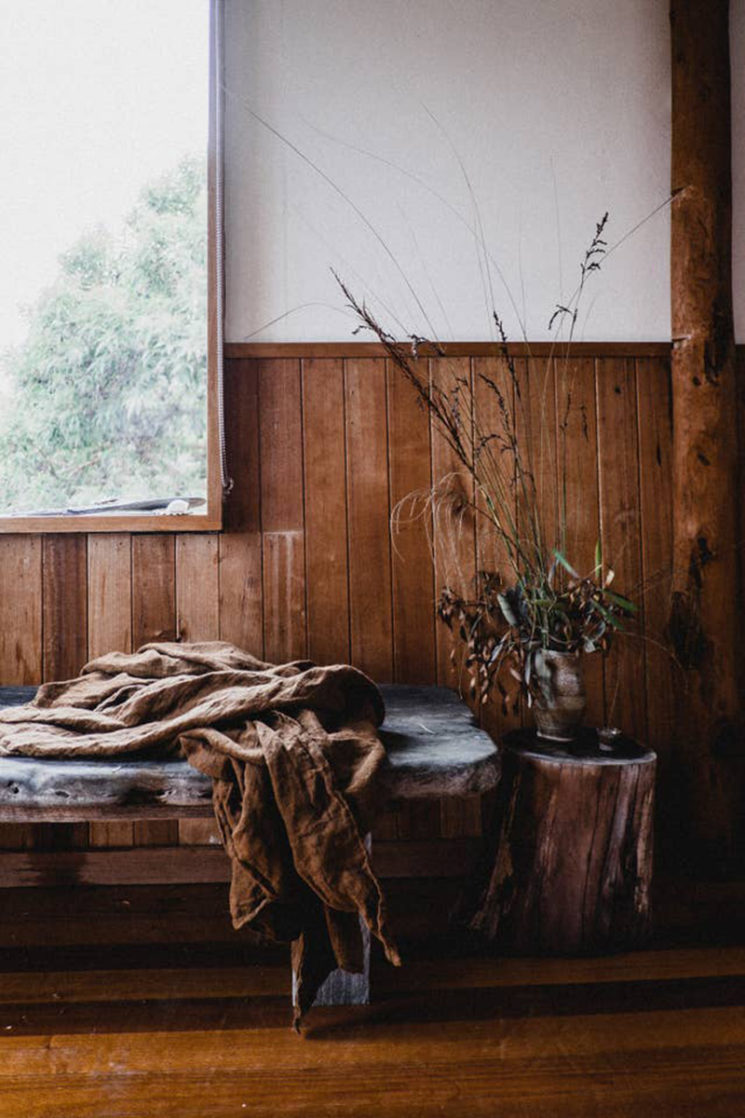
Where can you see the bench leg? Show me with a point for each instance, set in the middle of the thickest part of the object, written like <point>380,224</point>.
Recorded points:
<point>341,987</point>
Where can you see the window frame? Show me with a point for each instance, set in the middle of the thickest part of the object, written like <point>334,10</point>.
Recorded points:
<point>211,519</point>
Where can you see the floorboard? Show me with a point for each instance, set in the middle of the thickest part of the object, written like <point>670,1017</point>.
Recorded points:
<point>655,1033</point>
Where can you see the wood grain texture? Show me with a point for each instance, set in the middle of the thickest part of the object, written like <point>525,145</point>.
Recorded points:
<point>65,644</point>
<point>282,510</point>
<point>536,431</point>
<point>119,833</point>
<point>205,861</point>
<point>109,594</point>
<point>452,1037</point>
<point>370,596</point>
<point>281,446</point>
<point>707,467</point>
<point>625,691</point>
<point>75,525</point>
<point>409,465</point>
<point>20,609</point>
<point>578,447</point>
<point>197,588</point>
<point>655,476</point>
<point>55,915</point>
<point>20,636</point>
<point>492,378</point>
<point>453,523</point>
<point>460,817</point>
<point>236,351</point>
<point>325,488</point>
<point>64,605</point>
<point>109,629</point>
<point>394,625</point>
<point>664,679</point>
<point>241,605</point>
<point>154,619</point>
<point>153,589</point>
<point>573,855</point>
<point>285,634</point>
<point>243,503</point>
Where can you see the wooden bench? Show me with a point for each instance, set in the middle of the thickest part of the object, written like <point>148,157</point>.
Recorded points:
<point>434,751</point>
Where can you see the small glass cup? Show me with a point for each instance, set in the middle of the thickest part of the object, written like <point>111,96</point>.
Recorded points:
<point>608,738</point>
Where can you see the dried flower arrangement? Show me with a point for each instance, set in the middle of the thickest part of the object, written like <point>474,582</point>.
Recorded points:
<point>541,603</point>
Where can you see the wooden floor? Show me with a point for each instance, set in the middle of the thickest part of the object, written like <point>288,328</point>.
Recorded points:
<point>189,1031</point>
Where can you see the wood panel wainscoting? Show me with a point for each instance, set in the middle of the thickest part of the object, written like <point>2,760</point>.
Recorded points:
<point>323,442</point>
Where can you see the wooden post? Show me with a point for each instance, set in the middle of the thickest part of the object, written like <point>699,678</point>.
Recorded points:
<point>704,621</point>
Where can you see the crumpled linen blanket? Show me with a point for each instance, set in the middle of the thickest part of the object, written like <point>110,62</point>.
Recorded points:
<point>293,754</point>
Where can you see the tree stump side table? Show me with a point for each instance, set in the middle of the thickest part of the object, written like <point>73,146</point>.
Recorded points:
<point>573,864</point>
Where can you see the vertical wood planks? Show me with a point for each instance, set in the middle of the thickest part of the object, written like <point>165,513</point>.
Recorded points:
<point>109,593</point>
<point>409,464</point>
<point>460,818</point>
<point>536,427</point>
<point>64,605</point>
<point>241,607</point>
<point>453,529</point>
<point>242,508</point>
<point>198,619</point>
<point>282,509</point>
<point>625,694</point>
<point>65,642</point>
<point>20,637</point>
<point>492,379</point>
<point>655,472</point>
<point>285,635</point>
<point>109,630</point>
<point>153,589</point>
<point>740,382</point>
<point>197,588</point>
<point>20,609</point>
<point>281,446</point>
<point>325,510</point>
<point>154,619</point>
<point>319,452</point>
<point>576,410</point>
<point>368,515</point>
<point>240,561</point>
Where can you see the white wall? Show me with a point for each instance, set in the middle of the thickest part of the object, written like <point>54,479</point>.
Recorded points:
<point>558,109</point>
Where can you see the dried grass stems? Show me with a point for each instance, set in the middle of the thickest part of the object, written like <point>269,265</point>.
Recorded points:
<point>539,601</point>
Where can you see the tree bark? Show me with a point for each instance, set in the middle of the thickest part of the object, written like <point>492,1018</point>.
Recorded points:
<point>705,604</point>
<point>573,866</point>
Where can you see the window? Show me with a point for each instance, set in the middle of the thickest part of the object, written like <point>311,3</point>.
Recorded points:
<point>109,296</point>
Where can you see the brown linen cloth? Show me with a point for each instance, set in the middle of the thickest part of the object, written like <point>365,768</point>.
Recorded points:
<point>293,755</point>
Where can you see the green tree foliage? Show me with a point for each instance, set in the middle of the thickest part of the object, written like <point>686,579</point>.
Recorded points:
<point>107,396</point>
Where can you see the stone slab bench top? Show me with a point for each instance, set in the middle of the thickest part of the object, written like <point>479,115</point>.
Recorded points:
<point>434,749</point>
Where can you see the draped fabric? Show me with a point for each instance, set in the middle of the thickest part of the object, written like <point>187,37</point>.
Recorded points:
<point>293,754</point>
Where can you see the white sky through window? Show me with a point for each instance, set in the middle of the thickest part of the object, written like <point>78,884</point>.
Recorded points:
<point>86,122</point>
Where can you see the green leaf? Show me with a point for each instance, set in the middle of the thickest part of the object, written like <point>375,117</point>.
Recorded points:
<point>565,564</point>
<point>606,614</point>
<point>619,600</point>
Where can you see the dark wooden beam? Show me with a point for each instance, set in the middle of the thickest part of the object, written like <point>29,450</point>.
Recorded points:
<point>705,604</point>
